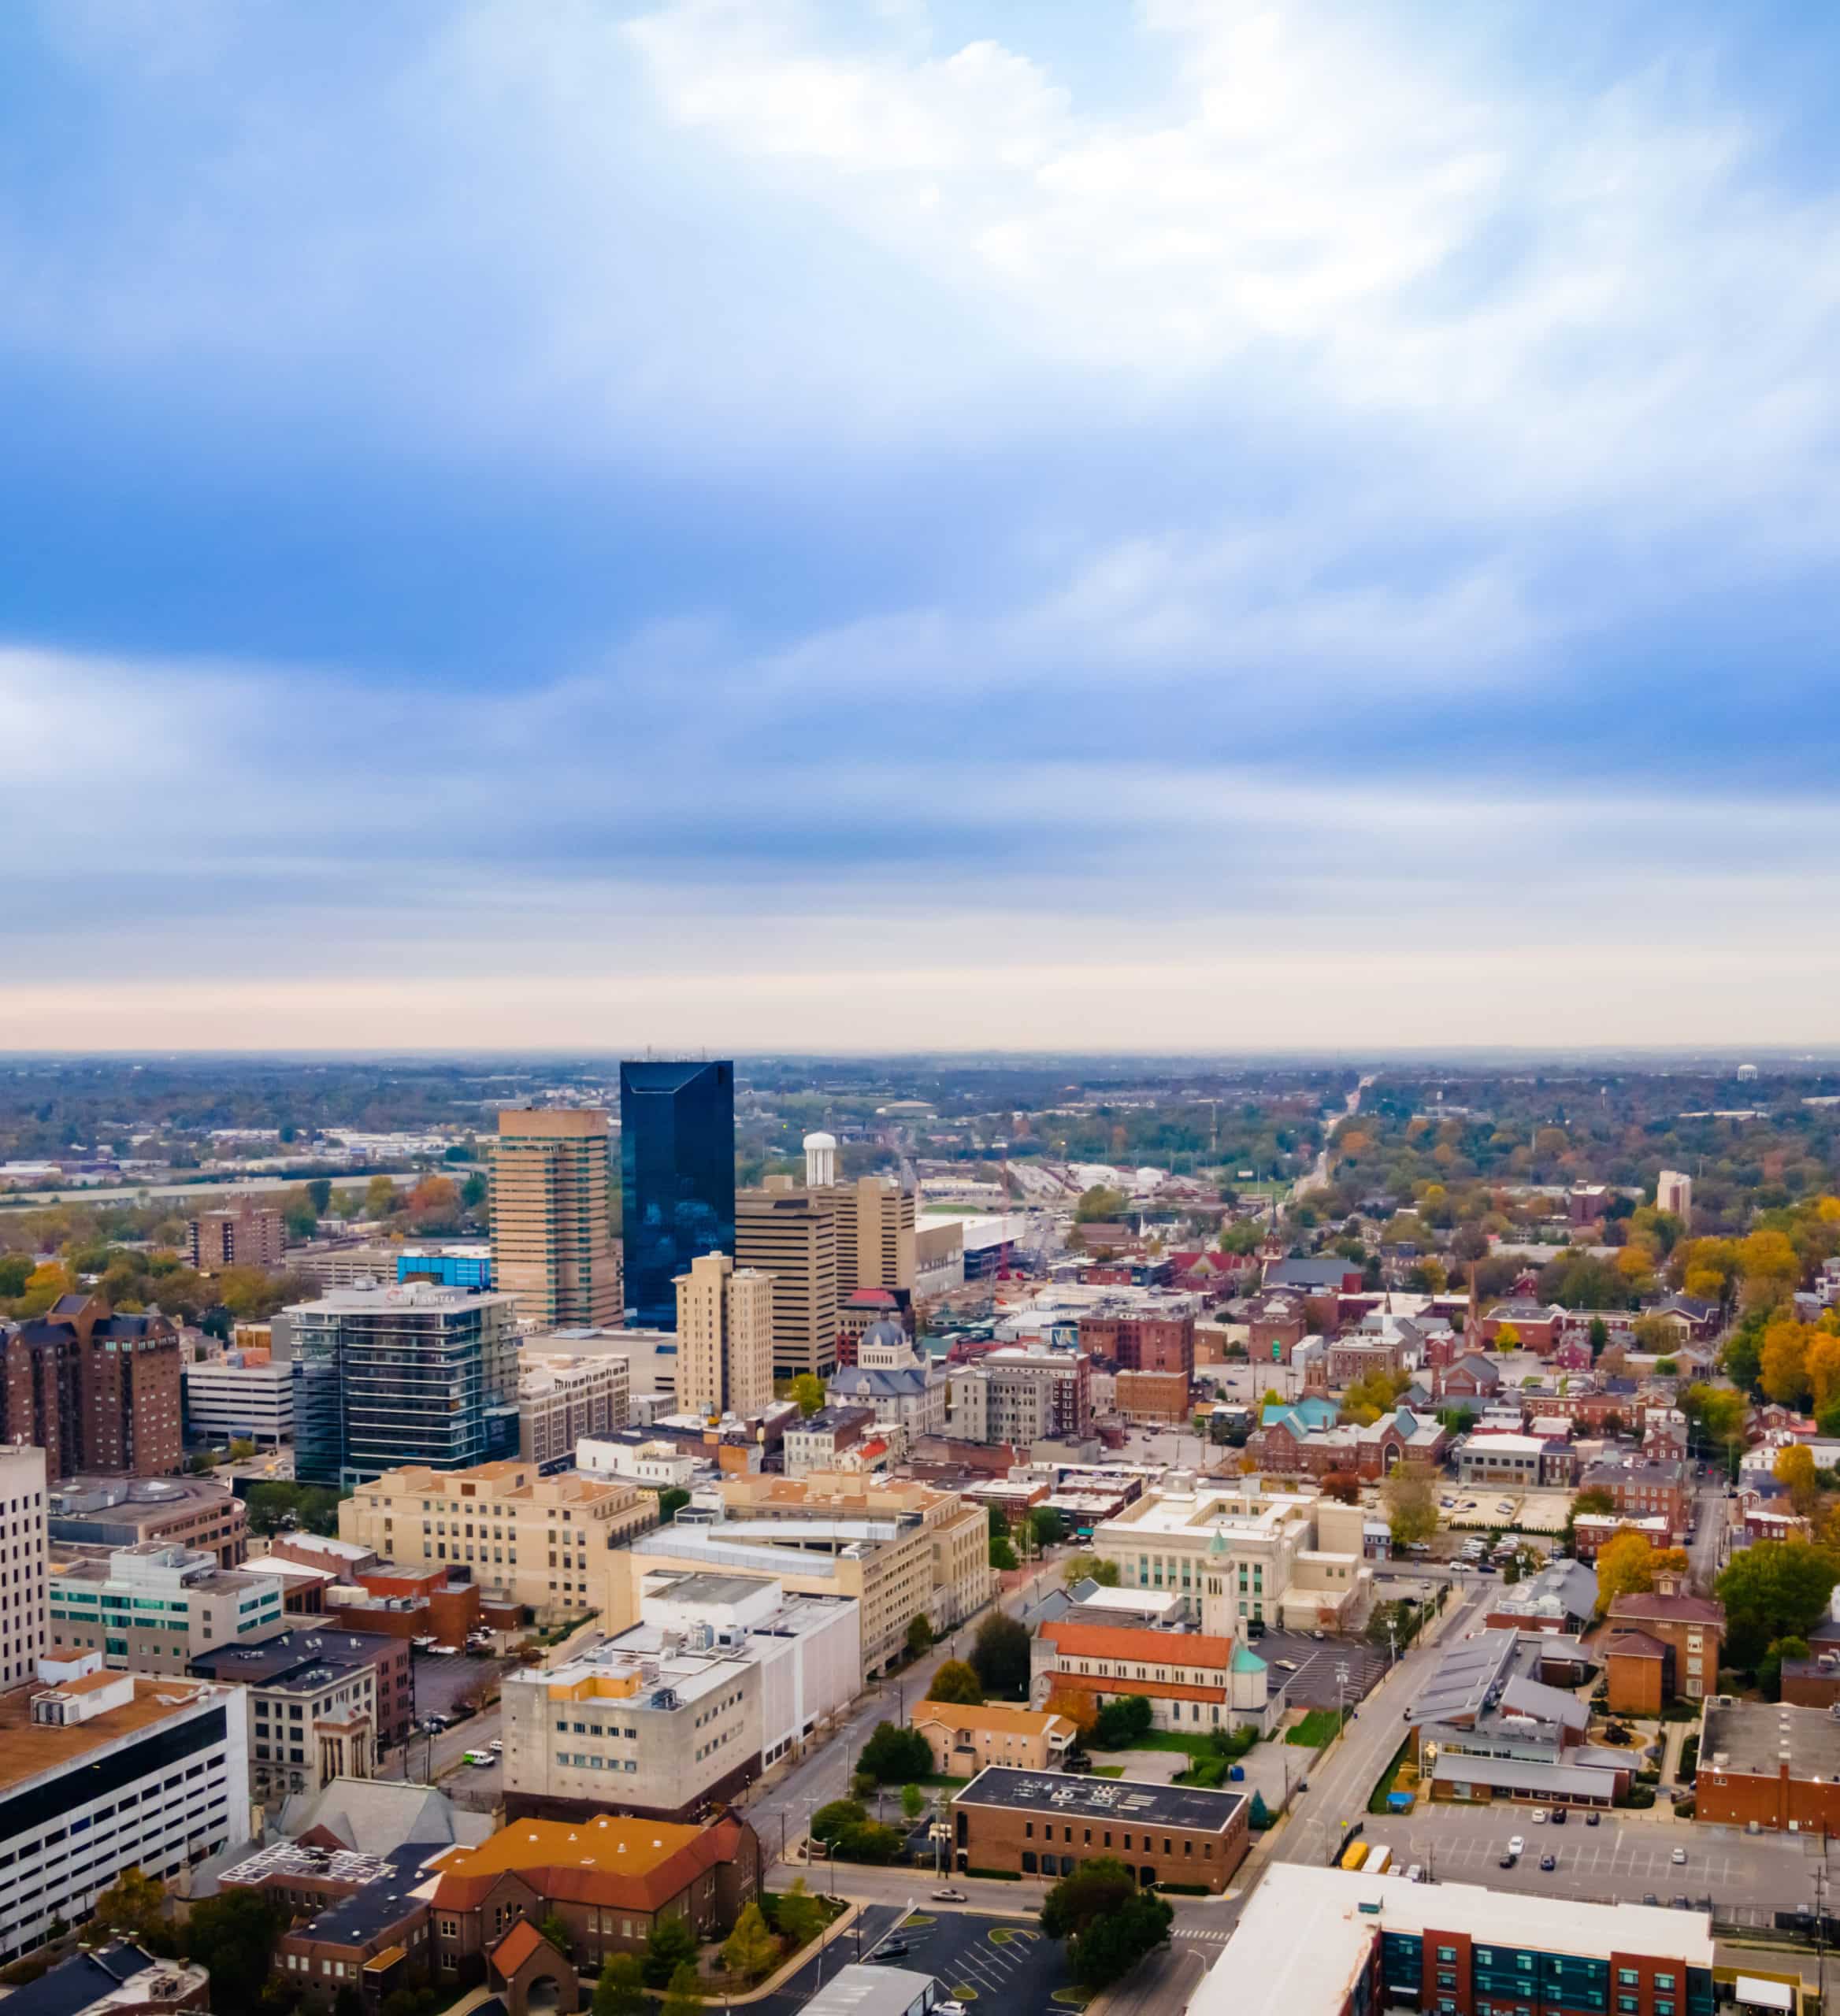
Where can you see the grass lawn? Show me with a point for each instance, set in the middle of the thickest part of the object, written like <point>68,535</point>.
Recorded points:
<point>1108,1771</point>
<point>1315,1729</point>
<point>950,1784</point>
<point>1377,1802</point>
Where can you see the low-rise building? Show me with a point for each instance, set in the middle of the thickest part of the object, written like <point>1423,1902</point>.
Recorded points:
<point>1529,1461</point>
<point>553,1545</point>
<point>1333,1942</point>
<point>1047,1823</point>
<point>238,1394</point>
<point>1559,1599</point>
<point>320,1703</point>
<point>118,1980</point>
<point>95,1516</point>
<point>1691,1630</point>
<point>153,1609</point>
<point>360,1922</point>
<point>1157,1397</point>
<point>1768,1763</point>
<point>964,1740</point>
<point>655,1462</point>
<point>819,1441</point>
<point>146,1774</point>
<point>561,1399</point>
<point>1193,1681</point>
<point>1643,1488</point>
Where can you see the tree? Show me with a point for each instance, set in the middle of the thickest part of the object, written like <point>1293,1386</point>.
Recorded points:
<point>1783,1364</point>
<point>379,1198</point>
<point>808,1391</point>
<point>831,1822</point>
<point>1506,1338</point>
<point>798,1913</point>
<point>1000,1658</point>
<point>1795,1467</point>
<point>1343,1485</point>
<point>1094,1890</point>
<point>1100,1205</point>
<point>1627,1566</point>
<point>553,1928</point>
<point>1598,1334</point>
<point>751,1949</point>
<point>233,1934</point>
<point>1721,1412</point>
<point>132,1904</point>
<point>1077,1706</point>
<point>892,1755</point>
<point>956,1682</point>
<point>1259,1817</point>
<point>1410,1497</point>
<point>919,1635</point>
<point>621,1990</point>
<point>683,1997</point>
<point>241,1449</point>
<point>1770,1265</point>
<point>913,1802</point>
<point>671,1944</point>
<point>1049,1529</point>
<point>1122,1722</point>
<point>1089,1568</point>
<point>1108,1922</point>
<point>319,1194</point>
<point>1003,1555</point>
<point>1778,1589</point>
<point>474,1192</point>
<point>670,1504</point>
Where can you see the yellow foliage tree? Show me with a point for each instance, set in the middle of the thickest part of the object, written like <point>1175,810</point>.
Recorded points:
<point>1795,1467</point>
<point>1627,1566</point>
<point>1507,1338</point>
<point>1822,1364</point>
<point>1771,1266</point>
<point>1633,1262</point>
<point>1783,1362</point>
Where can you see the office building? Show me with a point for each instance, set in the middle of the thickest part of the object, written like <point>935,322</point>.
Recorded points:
<point>902,1389</point>
<point>609,1882</point>
<point>1047,1823</point>
<point>155,1609</point>
<point>1768,1765</point>
<point>548,1544</point>
<point>1244,1554</point>
<point>724,1338</point>
<point>23,1586</point>
<point>409,1374</point>
<point>552,1241</point>
<point>791,1234</point>
<point>1021,1396</point>
<point>874,1235</point>
<point>902,1549</point>
<point>245,1235</point>
<point>1674,1193</point>
<point>561,1399</point>
<point>1332,1942</point>
<point>94,1516</point>
<point>322,1703</point>
<point>239,1394</point>
<point>677,1177</point>
<point>447,1266</point>
<point>103,1772</point>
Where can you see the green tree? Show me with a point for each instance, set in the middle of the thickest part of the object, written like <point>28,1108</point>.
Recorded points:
<point>553,1928</point>
<point>1776,1589</point>
<point>1410,1498</point>
<point>683,1997</point>
<point>319,1194</point>
<point>1000,1658</point>
<point>1048,1526</point>
<point>1110,1946</point>
<point>670,1946</point>
<point>913,1802</point>
<point>798,1913</point>
<point>893,1755</point>
<point>1598,1334</point>
<point>751,1949</point>
<point>1101,1206</point>
<point>621,1990</point>
<point>1122,1722</point>
<point>808,1391</point>
<point>832,1822</point>
<point>956,1682</point>
<point>379,1198</point>
<point>233,1934</point>
<point>670,1504</point>
<point>1003,1555</point>
<point>474,1191</point>
<point>919,1635</point>
<point>1259,1817</point>
<point>1094,1890</point>
<point>1089,1568</point>
<point>132,1904</point>
<point>241,1449</point>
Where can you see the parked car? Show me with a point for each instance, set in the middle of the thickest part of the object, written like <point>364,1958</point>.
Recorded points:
<point>1538,1816</point>
<point>1509,1859</point>
<point>1593,1819</point>
<point>1559,1816</point>
<point>893,1949</point>
<point>1518,1845</point>
<point>1285,1665</point>
<point>1415,1873</point>
<point>1679,1854</point>
<point>1548,1862</point>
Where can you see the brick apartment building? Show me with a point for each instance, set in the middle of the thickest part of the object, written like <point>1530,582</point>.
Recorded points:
<point>1153,1396</point>
<point>1539,1326</point>
<point>96,1391</point>
<point>1689,1631</point>
<point>1047,1824</point>
<point>1276,1324</point>
<point>1142,1343</point>
<point>1642,1489</point>
<point>244,1236</point>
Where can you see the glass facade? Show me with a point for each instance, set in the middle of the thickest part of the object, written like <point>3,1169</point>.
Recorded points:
<point>677,1178</point>
<point>1517,1981</point>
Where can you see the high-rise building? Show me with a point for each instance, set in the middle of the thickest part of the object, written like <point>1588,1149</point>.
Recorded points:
<point>96,1391</point>
<point>415,1374</point>
<point>790,1234</point>
<point>724,1338</point>
<point>243,1236</point>
<point>677,1176</point>
<point>552,1247</point>
<point>875,1235</point>
<point>1674,1193</point>
<point>23,1484</point>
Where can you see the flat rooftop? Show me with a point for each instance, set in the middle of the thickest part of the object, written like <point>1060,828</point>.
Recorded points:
<point>1103,1798</point>
<point>271,1661</point>
<point>1303,1943</point>
<point>30,1750</point>
<point>1753,1736</point>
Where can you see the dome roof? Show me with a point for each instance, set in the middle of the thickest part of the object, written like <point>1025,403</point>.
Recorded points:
<point>884,1330</point>
<point>819,1141</point>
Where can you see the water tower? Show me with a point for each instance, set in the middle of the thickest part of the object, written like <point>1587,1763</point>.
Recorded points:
<point>821,1160</point>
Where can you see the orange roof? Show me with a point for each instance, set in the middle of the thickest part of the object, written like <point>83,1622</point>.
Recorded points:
<point>1161,1648</point>
<point>992,1715</point>
<point>608,1860</point>
<point>1153,1690</point>
<point>516,1947</point>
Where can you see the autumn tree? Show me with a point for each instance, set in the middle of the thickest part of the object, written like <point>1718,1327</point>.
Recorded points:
<point>1794,1467</point>
<point>1344,1485</point>
<point>130,1907</point>
<point>956,1681</point>
<point>751,1949</point>
<point>379,1198</point>
<point>1783,1365</point>
<point>808,1391</point>
<point>1077,1706</point>
<point>1627,1566</point>
<point>1410,1497</point>
<point>1506,1338</point>
<point>1089,1568</point>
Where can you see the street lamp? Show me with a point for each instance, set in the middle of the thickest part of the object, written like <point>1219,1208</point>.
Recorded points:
<point>1340,1698</point>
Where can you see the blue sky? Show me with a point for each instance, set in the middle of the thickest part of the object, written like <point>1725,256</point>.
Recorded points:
<point>1190,524</point>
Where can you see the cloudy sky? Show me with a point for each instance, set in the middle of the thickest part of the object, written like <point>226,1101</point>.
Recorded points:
<point>931,522</point>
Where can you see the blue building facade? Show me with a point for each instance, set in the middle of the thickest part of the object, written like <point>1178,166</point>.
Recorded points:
<point>677,1177</point>
<point>452,1270</point>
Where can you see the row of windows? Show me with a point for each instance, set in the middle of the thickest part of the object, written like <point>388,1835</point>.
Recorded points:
<point>1149,1844</point>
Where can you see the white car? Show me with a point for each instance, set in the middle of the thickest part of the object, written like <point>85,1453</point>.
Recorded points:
<point>1518,1846</point>
<point>1680,1854</point>
<point>1538,1816</point>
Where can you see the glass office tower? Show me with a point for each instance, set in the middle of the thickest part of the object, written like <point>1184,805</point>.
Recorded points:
<point>677,1174</point>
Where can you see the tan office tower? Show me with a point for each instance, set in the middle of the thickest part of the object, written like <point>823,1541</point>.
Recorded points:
<point>791,1234</point>
<point>724,1338</point>
<point>551,1246</point>
<point>875,1235</point>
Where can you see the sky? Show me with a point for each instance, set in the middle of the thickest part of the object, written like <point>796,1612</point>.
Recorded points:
<point>1196,525</point>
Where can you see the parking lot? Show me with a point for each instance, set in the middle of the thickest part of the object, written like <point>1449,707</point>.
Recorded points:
<point>1004,1962</point>
<point>1313,1684</point>
<point>1751,1877</point>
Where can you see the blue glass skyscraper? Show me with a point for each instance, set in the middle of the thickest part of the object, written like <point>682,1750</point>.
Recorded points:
<point>677,1177</point>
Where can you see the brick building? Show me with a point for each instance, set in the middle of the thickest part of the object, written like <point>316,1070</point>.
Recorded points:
<point>1153,1396</point>
<point>1539,1326</point>
<point>1770,1763</point>
<point>1690,1628</point>
<point>1643,1489</point>
<point>243,1236</point>
<point>1276,1324</point>
<point>1048,1825</point>
<point>1160,1341</point>
<point>96,1391</point>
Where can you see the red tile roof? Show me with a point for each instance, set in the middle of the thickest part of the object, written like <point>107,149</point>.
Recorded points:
<point>1153,1690</point>
<point>1163,1648</point>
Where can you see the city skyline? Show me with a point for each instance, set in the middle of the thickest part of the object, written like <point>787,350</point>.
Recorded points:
<point>735,507</point>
